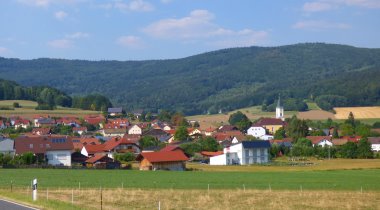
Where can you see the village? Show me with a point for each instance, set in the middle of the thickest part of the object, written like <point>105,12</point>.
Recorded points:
<point>115,142</point>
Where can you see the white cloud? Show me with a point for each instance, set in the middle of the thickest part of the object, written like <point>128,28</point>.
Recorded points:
<point>324,5</point>
<point>37,3</point>
<point>320,25</point>
<point>60,15</point>
<point>77,35</point>
<point>61,43</point>
<point>372,4</point>
<point>4,51</point>
<point>47,3</point>
<point>133,42</point>
<point>130,6</point>
<point>199,26</point>
<point>316,6</point>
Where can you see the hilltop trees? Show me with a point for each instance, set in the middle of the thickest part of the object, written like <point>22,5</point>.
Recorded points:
<point>240,120</point>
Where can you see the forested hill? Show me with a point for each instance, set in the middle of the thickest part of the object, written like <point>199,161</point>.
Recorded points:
<point>225,79</point>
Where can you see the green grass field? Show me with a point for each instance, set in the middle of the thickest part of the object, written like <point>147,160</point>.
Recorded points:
<point>313,180</point>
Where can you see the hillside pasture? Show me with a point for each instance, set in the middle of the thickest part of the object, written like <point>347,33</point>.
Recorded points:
<point>28,111</point>
<point>216,120</point>
<point>359,112</point>
<point>22,103</point>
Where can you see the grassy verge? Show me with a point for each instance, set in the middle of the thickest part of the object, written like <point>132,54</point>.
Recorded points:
<point>41,203</point>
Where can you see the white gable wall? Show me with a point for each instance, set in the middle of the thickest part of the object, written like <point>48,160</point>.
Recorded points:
<point>135,130</point>
<point>256,131</point>
<point>59,157</point>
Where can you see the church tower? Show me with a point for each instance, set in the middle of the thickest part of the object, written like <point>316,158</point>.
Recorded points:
<point>279,109</point>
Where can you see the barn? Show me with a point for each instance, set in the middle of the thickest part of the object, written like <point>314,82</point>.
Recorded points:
<point>163,160</point>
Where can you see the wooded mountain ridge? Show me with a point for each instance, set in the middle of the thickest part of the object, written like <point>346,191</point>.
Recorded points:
<point>330,74</point>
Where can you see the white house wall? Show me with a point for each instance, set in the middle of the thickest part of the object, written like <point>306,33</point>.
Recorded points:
<point>84,151</point>
<point>59,157</point>
<point>218,160</point>
<point>135,130</point>
<point>375,147</point>
<point>256,131</point>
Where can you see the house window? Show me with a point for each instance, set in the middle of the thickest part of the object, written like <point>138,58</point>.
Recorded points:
<point>129,147</point>
<point>31,146</point>
<point>246,151</point>
<point>61,157</point>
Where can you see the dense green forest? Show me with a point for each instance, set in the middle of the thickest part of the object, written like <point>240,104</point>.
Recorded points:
<point>49,98</point>
<point>330,74</point>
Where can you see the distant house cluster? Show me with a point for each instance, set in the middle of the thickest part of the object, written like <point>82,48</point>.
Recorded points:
<point>96,141</point>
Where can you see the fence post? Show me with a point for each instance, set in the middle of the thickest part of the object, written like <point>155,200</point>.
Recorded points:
<point>159,205</point>
<point>11,185</point>
<point>101,198</point>
<point>72,196</point>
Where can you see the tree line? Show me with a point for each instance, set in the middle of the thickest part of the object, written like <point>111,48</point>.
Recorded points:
<point>49,98</point>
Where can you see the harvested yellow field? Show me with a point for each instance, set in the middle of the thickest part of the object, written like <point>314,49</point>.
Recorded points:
<point>315,115</point>
<point>210,199</point>
<point>359,112</point>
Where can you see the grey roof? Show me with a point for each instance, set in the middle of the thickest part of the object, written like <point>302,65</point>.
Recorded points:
<point>115,110</point>
<point>285,144</point>
<point>256,144</point>
<point>374,140</point>
<point>6,145</point>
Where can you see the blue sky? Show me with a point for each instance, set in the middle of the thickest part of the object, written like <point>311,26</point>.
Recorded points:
<point>163,29</point>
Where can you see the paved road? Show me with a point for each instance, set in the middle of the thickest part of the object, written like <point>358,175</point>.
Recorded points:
<point>9,205</point>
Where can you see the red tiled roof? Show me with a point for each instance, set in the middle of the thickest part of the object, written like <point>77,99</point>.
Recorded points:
<point>41,131</point>
<point>172,132</point>
<point>92,149</point>
<point>170,148</point>
<point>227,128</point>
<point>99,157</point>
<point>211,154</point>
<point>210,129</point>
<point>84,141</point>
<point>170,156</point>
<point>268,121</point>
<point>41,144</point>
<point>354,139</point>
<point>80,129</point>
<point>116,141</point>
<point>132,137</point>
<point>338,142</point>
<point>222,136</point>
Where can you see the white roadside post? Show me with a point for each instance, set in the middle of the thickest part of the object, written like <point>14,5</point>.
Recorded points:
<point>34,190</point>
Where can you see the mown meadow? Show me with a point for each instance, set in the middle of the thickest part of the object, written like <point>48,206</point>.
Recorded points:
<point>352,180</point>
